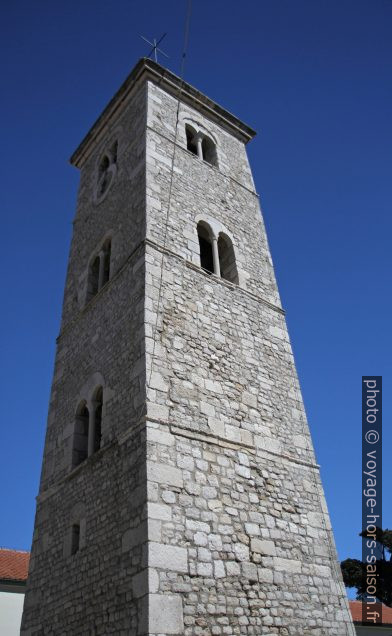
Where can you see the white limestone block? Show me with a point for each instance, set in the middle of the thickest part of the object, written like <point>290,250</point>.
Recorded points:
<point>167,557</point>
<point>159,511</point>
<point>241,551</point>
<point>165,614</point>
<point>287,565</point>
<point>160,437</point>
<point>219,569</point>
<point>268,443</point>
<point>263,547</point>
<point>164,474</point>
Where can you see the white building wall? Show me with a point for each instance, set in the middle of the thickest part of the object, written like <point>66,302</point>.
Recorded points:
<point>11,607</point>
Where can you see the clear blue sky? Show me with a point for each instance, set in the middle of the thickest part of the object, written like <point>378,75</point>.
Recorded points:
<point>313,77</point>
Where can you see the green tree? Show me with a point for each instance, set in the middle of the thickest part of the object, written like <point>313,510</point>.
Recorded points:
<point>354,571</point>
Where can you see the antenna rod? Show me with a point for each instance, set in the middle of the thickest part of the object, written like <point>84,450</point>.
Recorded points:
<point>154,45</point>
<point>186,37</point>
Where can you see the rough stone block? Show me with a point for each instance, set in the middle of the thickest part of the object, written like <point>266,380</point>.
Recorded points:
<point>265,575</point>
<point>219,569</point>
<point>241,552</point>
<point>263,547</point>
<point>249,571</point>
<point>232,568</point>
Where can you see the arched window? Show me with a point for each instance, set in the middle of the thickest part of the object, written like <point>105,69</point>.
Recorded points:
<point>99,271</point>
<point>104,176</point>
<point>205,243</point>
<point>216,252</point>
<point>88,428</point>
<point>80,440</point>
<point>97,405</point>
<point>228,267</point>
<point>75,538</point>
<point>106,172</point>
<point>190,139</point>
<point>201,145</point>
<point>209,151</point>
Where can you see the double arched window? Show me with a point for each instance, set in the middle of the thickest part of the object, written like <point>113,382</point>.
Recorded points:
<point>88,427</point>
<point>201,145</point>
<point>216,253</point>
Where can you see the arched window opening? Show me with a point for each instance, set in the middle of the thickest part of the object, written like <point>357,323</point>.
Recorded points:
<point>99,272</point>
<point>105,175</point>
<point>201,145</point>
<point>227,262</point>
<point>106,172</point>
<point>93,278</point>
<point>190,139</point>
<point>209,151</point>
<point>75,538</point>
<point>206,253</point>
<point>98,403</point>
<point>80,440</point>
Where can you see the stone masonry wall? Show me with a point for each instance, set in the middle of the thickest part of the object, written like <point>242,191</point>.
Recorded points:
<point>242,540</point>
<point>239,528</point>
<point>121,214</point>
<point>105,345</point>
<point>90,593</point>
<point>223,362</point>
<point>100,343</point>
<point>225,194</point>
<point>202,513</point>
<point>239,534</point>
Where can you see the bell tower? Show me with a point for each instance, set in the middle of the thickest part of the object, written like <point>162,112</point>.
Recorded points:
<point>179,491</point>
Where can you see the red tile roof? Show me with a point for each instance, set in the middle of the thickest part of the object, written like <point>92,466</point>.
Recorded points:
<point>356,613</point>
<point>14,564</point>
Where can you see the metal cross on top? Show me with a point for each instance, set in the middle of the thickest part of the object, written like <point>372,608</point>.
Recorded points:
<point>155,48</point>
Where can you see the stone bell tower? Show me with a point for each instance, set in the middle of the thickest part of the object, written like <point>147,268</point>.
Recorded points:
<point>179,491</point>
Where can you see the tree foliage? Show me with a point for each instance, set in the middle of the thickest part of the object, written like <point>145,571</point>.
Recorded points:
<point>355,573</point>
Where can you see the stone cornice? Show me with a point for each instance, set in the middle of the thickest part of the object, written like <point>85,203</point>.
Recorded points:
<point>145,70</point>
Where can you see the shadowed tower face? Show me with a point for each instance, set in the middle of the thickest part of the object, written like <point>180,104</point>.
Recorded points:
<point>179,491</point>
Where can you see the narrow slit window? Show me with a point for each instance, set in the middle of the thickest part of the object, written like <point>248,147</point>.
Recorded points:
<point>98,419</point>
<point>106,262</point>
<point>93,278</point>
<point>114,150</point>
<point>75,538</point>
